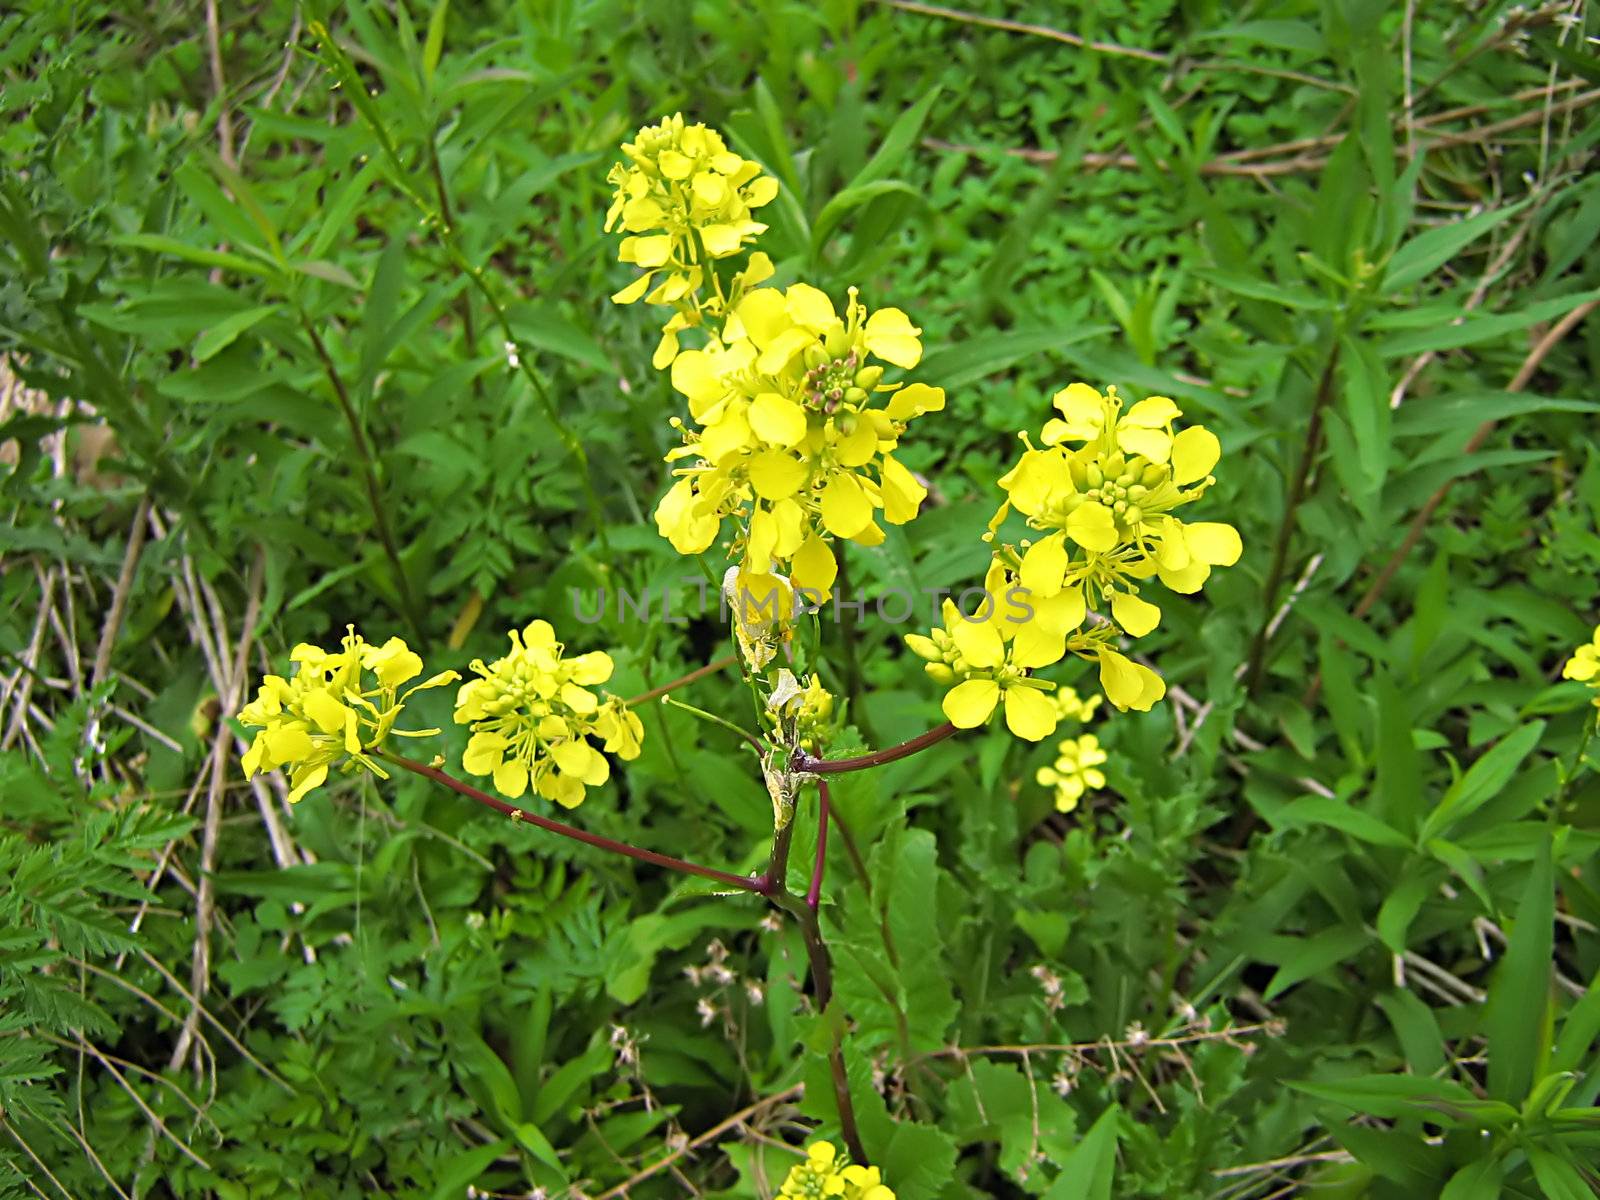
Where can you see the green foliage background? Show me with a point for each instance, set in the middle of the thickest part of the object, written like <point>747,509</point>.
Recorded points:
<point>261,267</point>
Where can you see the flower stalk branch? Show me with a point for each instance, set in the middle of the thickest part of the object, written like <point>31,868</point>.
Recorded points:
<point>757,884</point>
<point>807,764</point>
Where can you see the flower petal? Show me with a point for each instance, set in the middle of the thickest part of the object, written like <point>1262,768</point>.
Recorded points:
<point>970,703</point>
<point>1029,713</point>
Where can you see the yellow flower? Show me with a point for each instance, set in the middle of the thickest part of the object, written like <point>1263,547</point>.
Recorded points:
<point>1069,707</point>
<point>325,714</point>
<point>1106,506</point>
<point>685,200</point>
<point>1075,771</point>
<point>989,666</point>
<point>796,433</point>
<point>824,1173</point>
<point>1584,665</point>
<point>532,714</point>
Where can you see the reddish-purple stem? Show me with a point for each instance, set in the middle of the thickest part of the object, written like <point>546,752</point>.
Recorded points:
<point>759,884</point>
<point>833,766</point>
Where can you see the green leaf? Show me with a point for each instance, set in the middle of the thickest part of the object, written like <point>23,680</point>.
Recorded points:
<point>1515,1019</point>
<point>1090,1170</point>
<point>1417,1029</point>
<point>221,335</point>
<point>1431,249</point>
<point>1429,415</point>
<point>1260,289</point>
<point>1388,1096</point>
<point>161,244</point>
<point>456,1173</point>
<point>1339,814</point>
<point>1483,779</point>
<point>1400,907</point>
<point>853,197</point>
<point>1478,1180</point>
<point>918,1161</point>
<point>1475,330</point>
<point>434,45</point>
<point>1558,1178</point>
<point>1578,1031</point>
<point>896,143</point>
<point>1314,955</point>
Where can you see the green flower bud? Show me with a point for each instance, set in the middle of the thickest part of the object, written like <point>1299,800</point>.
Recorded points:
<point>855,395</point>
<point>837,343</point>
<point>815,356</point>
<point>868,377</point>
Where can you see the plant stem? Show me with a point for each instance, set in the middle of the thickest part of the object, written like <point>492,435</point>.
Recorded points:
<point>468,325</point>
<point>710,668</point>
<point>758,884</point>
<point>852,850</point>
<point>814,892</point>
<point>369,474</point>
<point>1291,509</point>
<point>832,766</point>
<point>821,963</point>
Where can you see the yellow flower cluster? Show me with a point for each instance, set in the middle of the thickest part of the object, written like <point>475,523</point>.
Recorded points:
<point>1078,759</point>
<point>1584,665</point>
<point>532,714</point>
<point>796,433</point>
<point>1105,506</point>
<point>1101,487</point>
<point>327,712</point>
<point>825,1174</point>
<point>686,200</point>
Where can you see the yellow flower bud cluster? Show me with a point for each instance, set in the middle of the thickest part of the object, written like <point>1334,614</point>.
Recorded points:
<point>796,432</point>
<point>329,712</point>
<point>532,714</point>
<point>685,200</point>
<point>1078,759</point>
<point>1584,665</point>
<point>825,1174</point>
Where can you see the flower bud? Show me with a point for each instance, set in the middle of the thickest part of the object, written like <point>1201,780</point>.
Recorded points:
<point>837,343</point>
<point>868,377</point>
<point>940,674</point>
<point>855,395</point>
<point>815,356</point>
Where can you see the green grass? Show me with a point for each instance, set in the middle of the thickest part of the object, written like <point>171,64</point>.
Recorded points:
<point>1330,928</point>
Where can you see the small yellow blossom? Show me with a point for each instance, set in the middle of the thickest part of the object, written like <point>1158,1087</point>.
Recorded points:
<point>1070,707</point>
<point>1075,771</point>
<point>325,713</point>
<point>988,666</point>
<point>1584,665</point>
<point>532,714</point>
<point>824,1174</point>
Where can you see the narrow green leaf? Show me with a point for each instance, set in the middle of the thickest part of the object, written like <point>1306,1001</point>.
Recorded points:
<point>1089,1171</point>
<point>1483,780</point>
<point>897,142</point>
<point>221,335</point>
<point>1519,996</point>
<point>434,45</point>
<point>1431,249</point>
<point>1314,955</point>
